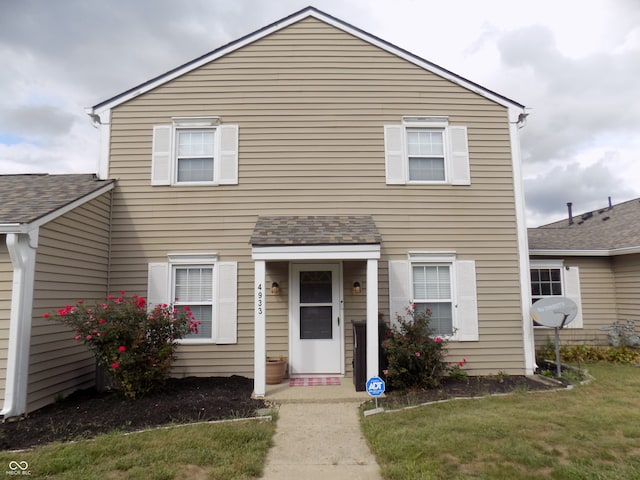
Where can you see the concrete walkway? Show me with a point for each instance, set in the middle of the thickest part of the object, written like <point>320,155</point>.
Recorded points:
<point>320,441</point>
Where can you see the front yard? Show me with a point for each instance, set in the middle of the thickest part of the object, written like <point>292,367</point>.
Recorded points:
<point>590,432</point>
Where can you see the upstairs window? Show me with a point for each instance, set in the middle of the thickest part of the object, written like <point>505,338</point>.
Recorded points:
<point>195,151</point>
<point>426,155</point>
<point>426,150</point>
<point>194,155</point>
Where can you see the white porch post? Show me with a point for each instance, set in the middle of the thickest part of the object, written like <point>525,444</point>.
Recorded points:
<point>260,331</point>
<point>372,318</point>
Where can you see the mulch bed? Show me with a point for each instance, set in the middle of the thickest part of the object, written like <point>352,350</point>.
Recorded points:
<point>468,388</point>
<point>87,413</point>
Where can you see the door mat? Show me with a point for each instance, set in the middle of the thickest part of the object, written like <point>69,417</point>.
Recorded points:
<point>313,381</point>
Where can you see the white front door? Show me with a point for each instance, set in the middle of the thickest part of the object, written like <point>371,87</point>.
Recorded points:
<point>316,320</point>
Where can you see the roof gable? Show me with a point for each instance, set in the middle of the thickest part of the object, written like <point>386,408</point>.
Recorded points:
<point>112,102</point>
<point>37,198</point>
<point>607,231</point>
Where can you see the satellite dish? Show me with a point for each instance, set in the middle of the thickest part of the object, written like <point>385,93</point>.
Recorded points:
<point>554,312</point>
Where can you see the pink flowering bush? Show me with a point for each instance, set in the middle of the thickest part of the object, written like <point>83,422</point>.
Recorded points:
<point>415,355</point>
<point>135,345</point>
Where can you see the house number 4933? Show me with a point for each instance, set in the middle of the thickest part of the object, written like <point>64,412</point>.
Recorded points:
<point>260,299</point>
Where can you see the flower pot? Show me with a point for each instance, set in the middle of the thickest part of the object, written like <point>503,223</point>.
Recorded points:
<point>276,368</point>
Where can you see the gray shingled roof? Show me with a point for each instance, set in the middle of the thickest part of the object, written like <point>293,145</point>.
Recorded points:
<point>315,230</point>
<point>604,229</point>
<point>28,197</point>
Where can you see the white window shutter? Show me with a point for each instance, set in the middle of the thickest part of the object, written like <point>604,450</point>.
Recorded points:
<point>466,301</point>
<point>399,289</point>
<point>226,303</point>
<point>459,156</point>
<point>227,161</point>
<point>161,156</point>
<point>572,291</point>
<point>394,157</point>
<point>158,284</point>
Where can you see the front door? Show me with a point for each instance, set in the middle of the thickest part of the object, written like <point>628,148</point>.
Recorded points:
<point>316,323</point>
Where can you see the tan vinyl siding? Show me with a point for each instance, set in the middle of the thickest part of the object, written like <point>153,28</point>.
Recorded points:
<point>311,102</point>
<point>598,294</point>
<point>71,265</point>
<point>6,279</point>
<point>627,274</point>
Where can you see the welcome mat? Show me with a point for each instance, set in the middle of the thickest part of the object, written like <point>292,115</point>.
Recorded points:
<point>313,381</point>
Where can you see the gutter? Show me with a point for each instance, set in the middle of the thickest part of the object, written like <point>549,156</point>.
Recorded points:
<point>23,259</point>
<point>585,253</point>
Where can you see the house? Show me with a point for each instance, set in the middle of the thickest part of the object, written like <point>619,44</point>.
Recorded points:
<point>593,258</point>
<point>53,250</point>
<point>310,175</point>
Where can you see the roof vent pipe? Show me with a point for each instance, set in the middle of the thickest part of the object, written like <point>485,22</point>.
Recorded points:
<point>569,205</point>
<point>609,202</point>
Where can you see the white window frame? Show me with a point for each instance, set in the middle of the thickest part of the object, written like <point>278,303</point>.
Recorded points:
<point>205,260</point>
<point>183,124</point>
<point>177,157</point>
<point>448,301</point>
<point>547,265</point>
<point>427,124</point>
<point>570,285</point>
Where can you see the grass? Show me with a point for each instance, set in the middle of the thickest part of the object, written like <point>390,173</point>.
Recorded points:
<point>205,451</point>
<point>590,432</point>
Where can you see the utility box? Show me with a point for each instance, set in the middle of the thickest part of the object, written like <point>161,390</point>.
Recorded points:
<point>360,353</point>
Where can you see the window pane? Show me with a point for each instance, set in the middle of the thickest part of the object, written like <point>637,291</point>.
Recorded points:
<point>316,322</point>
<point>546,282</point>
<point>195,170</point>
<point>203,313</point>
<point>441,317</point>
<point>425,142</point>
<point>195,142</point>
<point>426,169</point>
<point>194,284</point>
<point>315,287</point>
<point>431,282</point>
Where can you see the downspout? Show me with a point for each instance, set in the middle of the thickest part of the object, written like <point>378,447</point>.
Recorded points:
<point>22,250</point>
<point>517,119</point>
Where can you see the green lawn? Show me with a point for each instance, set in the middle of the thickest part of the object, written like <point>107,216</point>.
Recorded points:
<point>590,432</point>
<point>234,450</point>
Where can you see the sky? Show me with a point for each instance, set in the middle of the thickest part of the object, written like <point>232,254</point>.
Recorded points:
<point>574,64</point>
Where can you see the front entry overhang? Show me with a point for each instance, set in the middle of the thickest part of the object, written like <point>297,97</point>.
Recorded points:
<point>305,238</point>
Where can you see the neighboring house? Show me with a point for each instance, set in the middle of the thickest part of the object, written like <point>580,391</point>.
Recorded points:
<point>593,258</point>
<point>310,175</point>
<point>54,232</point>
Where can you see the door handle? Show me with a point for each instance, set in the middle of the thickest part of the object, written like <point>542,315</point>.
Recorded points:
<point>338,321</point>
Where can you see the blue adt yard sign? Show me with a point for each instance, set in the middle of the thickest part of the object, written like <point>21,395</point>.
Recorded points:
<point>375,386</point>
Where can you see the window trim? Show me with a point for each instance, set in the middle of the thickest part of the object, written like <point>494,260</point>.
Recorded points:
<point>428,124</point>
<point>442,259</point>
<point>195,260</point>
<point>176,157</point>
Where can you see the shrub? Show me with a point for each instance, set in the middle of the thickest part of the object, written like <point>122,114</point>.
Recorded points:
<point>135,345</point>
<point>590,353</point>
<point>416,356</point>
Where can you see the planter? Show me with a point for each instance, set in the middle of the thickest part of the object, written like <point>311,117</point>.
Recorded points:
<point>276,368</point>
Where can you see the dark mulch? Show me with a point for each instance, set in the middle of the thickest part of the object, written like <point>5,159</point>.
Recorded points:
<point>87,413</point>
<point>468,387</point>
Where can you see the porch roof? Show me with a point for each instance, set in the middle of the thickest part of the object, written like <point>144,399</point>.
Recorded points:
<point>315,230</point>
